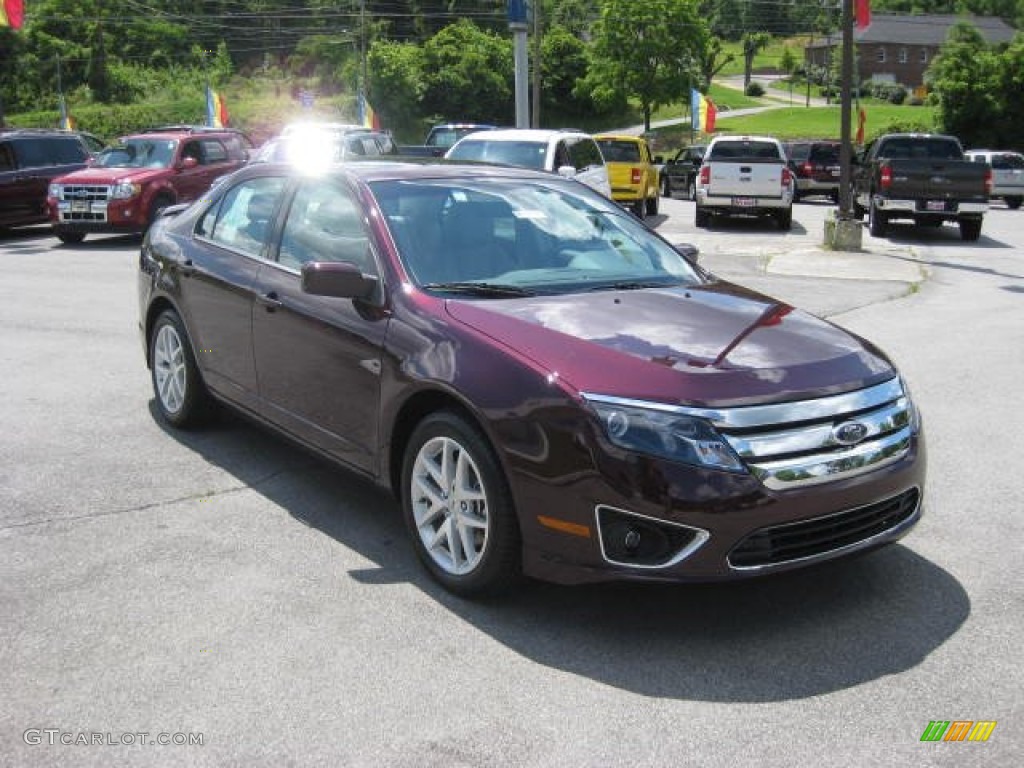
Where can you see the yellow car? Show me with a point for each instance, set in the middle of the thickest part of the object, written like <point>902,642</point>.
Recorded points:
<point>631,171</point>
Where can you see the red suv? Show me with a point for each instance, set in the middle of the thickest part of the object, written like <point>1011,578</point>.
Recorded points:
<point>130,183</point>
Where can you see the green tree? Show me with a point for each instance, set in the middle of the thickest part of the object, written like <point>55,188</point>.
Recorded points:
<point>564,65</point>
<point>396,87</point>
<point>1010,86</point>
<point>713,59</point>
<point>964,76</point>
<point>753,43</point>
<point>468,75</point>
<point>650,51</point>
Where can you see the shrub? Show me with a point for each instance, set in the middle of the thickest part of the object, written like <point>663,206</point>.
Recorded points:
<point>754,89</point>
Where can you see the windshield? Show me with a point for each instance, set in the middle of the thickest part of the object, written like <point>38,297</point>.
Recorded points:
<point>138,153</point>
<point>525,154</point>
<point>521,236</point>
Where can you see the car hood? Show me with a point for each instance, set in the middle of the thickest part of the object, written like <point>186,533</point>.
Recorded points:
<point>95,175</point>
<point>714,344</point>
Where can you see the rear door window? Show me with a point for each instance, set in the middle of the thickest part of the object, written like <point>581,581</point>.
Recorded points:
<point>246,215</point>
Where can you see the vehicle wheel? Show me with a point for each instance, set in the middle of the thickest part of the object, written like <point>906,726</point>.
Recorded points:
<point>71,238</point>
<point>878,222</point>
<point>1013,203</point>
<point>970,229</point>
<point>835,197</point>
<point>639,208</point>
<point>691,191</point>
<point>796,196</point>
<point>458,507</point>
<point>785,219</point>
<point>180,393</point>
<point>666,187</point>
<point>158,205</point>
<point>702,218</point>
<point>652,205</point>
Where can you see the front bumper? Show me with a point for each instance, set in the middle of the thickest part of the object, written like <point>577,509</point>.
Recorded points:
<point>127,216</point>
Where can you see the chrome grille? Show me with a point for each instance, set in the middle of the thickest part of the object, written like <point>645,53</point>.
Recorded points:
<point>92,193</point>
<point>83,202</point>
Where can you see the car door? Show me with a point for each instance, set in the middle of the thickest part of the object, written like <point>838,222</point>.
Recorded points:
<point>218,283</point>
<point>318,358</point>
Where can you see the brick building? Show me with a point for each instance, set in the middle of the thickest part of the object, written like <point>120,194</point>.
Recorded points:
<point>899,48</point>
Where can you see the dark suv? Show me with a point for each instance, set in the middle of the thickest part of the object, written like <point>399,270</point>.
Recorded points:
<point>29,160</point>
<point>815,164</point>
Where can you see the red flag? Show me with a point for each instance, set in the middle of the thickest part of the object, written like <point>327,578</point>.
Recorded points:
<point>862,13</point>
<point>712,113</point>
<point>12,13</point>
<point>861,119</point>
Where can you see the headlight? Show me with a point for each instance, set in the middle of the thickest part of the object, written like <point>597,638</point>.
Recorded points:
<point>915,414</point>
<point>55,190</point>
<point>122,190</point>
<point>670,435</point>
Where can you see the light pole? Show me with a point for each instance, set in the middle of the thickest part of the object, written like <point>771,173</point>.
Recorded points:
<point>517,23</point>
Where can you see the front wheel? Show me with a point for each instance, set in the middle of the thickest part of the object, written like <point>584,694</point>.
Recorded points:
<point>458,507</point>
<point>691,191</point>
<point>180,393</point>
<point>1013,203</point>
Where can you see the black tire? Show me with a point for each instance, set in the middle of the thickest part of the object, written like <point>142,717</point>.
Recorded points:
<point>178,387</point>
<point>159,204</point>
<point>878,222</point>
<point>702,218</point>
<point>785,219</point>
<point>970,229</point>
<point>1013,203</point>
<point>666,186</point>
<point>691,190</point>
<point>639,208</point>
<point>858,210</point>
<point>496,565</point>
<point>653,205</point>
<point>71,238</point>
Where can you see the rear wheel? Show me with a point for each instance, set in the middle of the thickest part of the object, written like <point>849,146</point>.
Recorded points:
<point>1013,203</point>
<point>858,209</point>
<point>666,187</point>
<point>970,229</point>
<point>180,393</point>
<point>71,238</point>
<point>878,222</point>
<point>702,218</point>
<point>652,206</point>
<point>784,219</point>
<point>639,208</point>
<point>458,507</point>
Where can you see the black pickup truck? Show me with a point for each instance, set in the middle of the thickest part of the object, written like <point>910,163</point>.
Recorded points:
<point>440,139</point>
<point>921,177</point>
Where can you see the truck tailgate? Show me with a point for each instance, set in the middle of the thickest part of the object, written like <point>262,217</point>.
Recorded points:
<point>938,179</point>
<point>745,179</point>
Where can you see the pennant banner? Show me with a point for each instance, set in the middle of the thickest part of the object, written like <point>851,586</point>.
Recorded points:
<point>216,110</point>
<point>702,112</point>
<point>12,13</point>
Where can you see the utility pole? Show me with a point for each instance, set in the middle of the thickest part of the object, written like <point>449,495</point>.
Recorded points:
<point>845,112</point>
<point>517,23</point>
<point>535,112</point>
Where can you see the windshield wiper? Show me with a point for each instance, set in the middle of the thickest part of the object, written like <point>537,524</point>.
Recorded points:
<point>480,289</point>
<point>630,285</point>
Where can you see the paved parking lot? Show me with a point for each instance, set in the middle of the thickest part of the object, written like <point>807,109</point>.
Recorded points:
<point>225,587</point>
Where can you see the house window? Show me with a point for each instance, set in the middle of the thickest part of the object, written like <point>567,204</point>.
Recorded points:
<point>880,55</point>
<point>924,55</point>
<point>903,55</point>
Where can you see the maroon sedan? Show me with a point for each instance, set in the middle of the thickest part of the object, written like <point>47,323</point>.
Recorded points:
<point>548,386</point>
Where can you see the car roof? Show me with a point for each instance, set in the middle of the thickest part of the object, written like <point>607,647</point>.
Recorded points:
<point>371,170</point>
<point>620,137</point>
<point>523,134</point>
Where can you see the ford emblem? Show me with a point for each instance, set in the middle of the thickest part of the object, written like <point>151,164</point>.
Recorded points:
<point>850,433</point>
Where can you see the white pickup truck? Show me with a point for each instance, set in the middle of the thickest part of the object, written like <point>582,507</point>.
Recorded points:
<point>745,175</point>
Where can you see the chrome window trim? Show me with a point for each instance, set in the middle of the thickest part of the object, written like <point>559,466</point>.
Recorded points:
<point>776,413</point>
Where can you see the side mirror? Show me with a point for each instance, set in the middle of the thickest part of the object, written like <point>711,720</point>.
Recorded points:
<point>188,162</point>
<point>338,279</point>
<point>688,251</point>
<point>567,171</point>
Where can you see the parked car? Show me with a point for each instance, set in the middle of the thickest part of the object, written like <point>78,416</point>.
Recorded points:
<point>679,172</point>
<point>922,177</point>
<point>1007,174</point>
<point>631,172</point>
<point>441,138</point>
<point>568,153</point>
<point>129,184</point>
<point>745,176</point>
<point>547,385</point>
<point>29,160</point>
<point>314,147</point>
<point>815,167</point>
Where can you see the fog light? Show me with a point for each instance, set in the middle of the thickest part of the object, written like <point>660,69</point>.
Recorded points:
<point>632,540</point>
